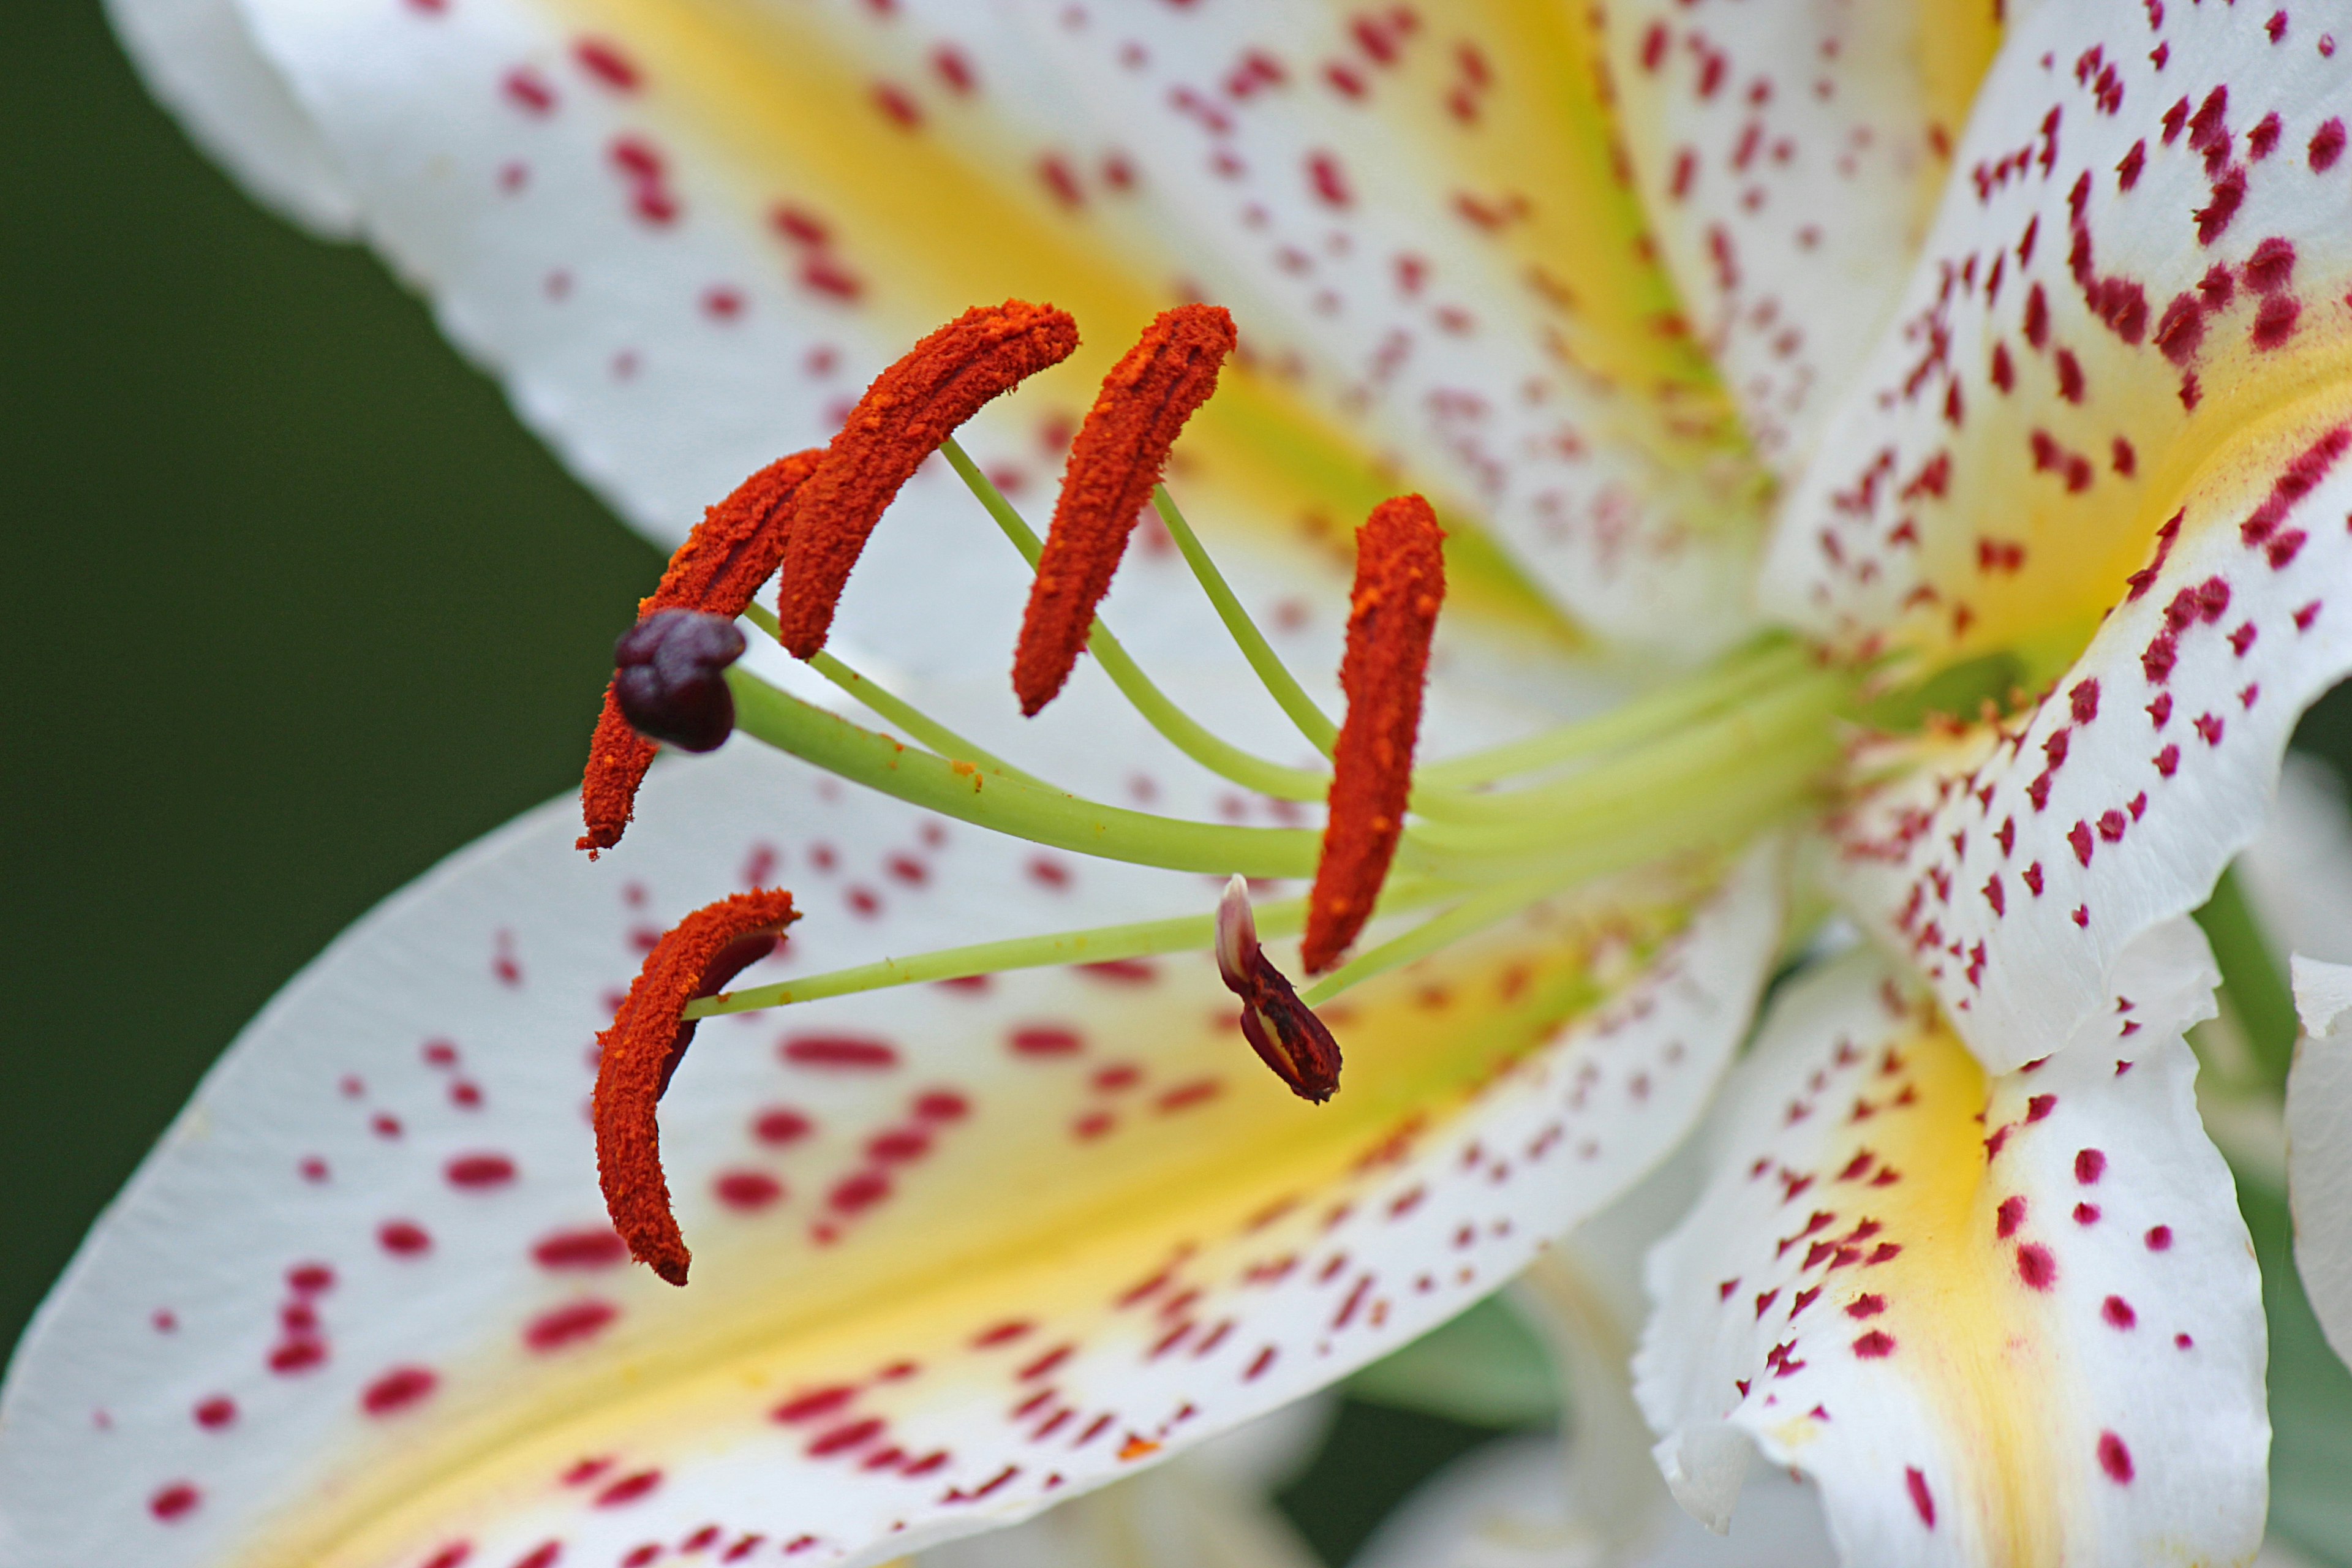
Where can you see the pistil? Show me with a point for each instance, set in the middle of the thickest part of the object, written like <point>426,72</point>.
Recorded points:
<point>734,550</point>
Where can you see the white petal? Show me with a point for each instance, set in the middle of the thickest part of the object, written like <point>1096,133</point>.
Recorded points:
<point>2319,1145</point>
<point>1211,1509</point>
<point>2018,865</point>
<point>1511,1505</point>
<point>2298,873</point>
<point>2144,253</point>
<point>1043,1230</point>
<point>590,193</point>
<point>1996,1320</point>
<point>198,58</point>
<point>1789,156</point>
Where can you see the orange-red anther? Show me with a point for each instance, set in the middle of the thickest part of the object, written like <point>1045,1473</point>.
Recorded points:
<point>648,1038</point>
<point>1114,463</point>
<point>736,546</point>
<point>911,407</point>
<point>1400,586</point>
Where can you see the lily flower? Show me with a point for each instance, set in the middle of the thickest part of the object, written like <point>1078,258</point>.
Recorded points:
<point>1890,454</point>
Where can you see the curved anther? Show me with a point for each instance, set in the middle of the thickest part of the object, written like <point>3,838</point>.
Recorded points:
<point>646,1041</point>
<point>908,410</point>
<point>1283,1030</point>
<point>736,546</point>
<point>1392,614</point>
<point>1114,463</point>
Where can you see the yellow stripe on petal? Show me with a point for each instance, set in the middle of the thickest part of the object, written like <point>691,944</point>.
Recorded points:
<point>1999,1320</point>
<point>927,202</point>
<point>1958,40</point>
<point>2138,263</point>
<point>959,1252</point>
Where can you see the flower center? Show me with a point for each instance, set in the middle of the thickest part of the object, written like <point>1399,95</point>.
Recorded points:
<point>1690,769</point>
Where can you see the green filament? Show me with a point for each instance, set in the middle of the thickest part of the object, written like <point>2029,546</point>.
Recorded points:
<point>970,791</point>
<point>1280,685</point>
<point>1096,944</point>
<point>1181,730</point>
<point>918,725</point>
<point>1741,676</point>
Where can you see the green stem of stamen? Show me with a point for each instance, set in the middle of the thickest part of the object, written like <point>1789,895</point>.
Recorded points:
<point>1280,685</point>
<point>1740,676</point>
<point>2253,986</point>
<point>920,726</point>
<point>1472,914</point>
<point>1179,727</point>
<point>972,793</point>
<point>1714,756</point>
<point>1099,944</point>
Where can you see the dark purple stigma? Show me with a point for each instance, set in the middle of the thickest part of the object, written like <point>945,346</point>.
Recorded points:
<point>671,677</point>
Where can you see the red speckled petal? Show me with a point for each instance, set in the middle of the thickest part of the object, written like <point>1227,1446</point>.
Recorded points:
<point>2319,1152</point>
<point>2030,1335</point>
<point>2145,251</point>
<point>685,233</point>
<point>199,59</point>
<point>2016,866</point>
<point>1789,157</point>
<point>960,1250</point>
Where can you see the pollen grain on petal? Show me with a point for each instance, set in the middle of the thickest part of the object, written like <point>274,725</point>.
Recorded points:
<point>908,410</point>
<point>737,547</point>
<point>1114,463</point>
<point>647,1039</point>
<point>1392,614</point>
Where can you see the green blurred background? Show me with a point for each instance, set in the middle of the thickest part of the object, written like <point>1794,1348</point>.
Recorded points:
<point>296,608</point>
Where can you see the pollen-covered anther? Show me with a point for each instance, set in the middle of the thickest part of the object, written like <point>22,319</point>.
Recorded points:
<point>671,677</point>
<point>646,1041</point>
<point>733,549</point>
<point>905,413</point>
<point>1283,1030</point>
<point>1116,461</point>
<point>1392,614</point>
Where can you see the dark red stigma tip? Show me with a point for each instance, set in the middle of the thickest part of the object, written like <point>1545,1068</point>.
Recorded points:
<point>732,551</point>
<point>671,677</point>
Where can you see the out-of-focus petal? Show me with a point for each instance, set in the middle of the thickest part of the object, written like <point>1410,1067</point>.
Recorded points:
<point>198,56</point>
<point>1513,1505</point>
<point>962,1251</point>
<point>2319,1145</point>
<point>685,232</point>
<point>2017,863</point>
<point>2298,872</point>
<point>1789,157</point>
<point>2142,256</point>
<point>1996,1320</point>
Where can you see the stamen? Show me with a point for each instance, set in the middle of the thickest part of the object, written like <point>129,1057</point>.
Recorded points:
<point>1114,464</point>
<point>909,409</point>
<point>737,547</point>
<point>671,680</point>
<point>1283,1030</point>
<point>642,1049</point>
<point>1391,616</point>
<point>1179,727</point>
